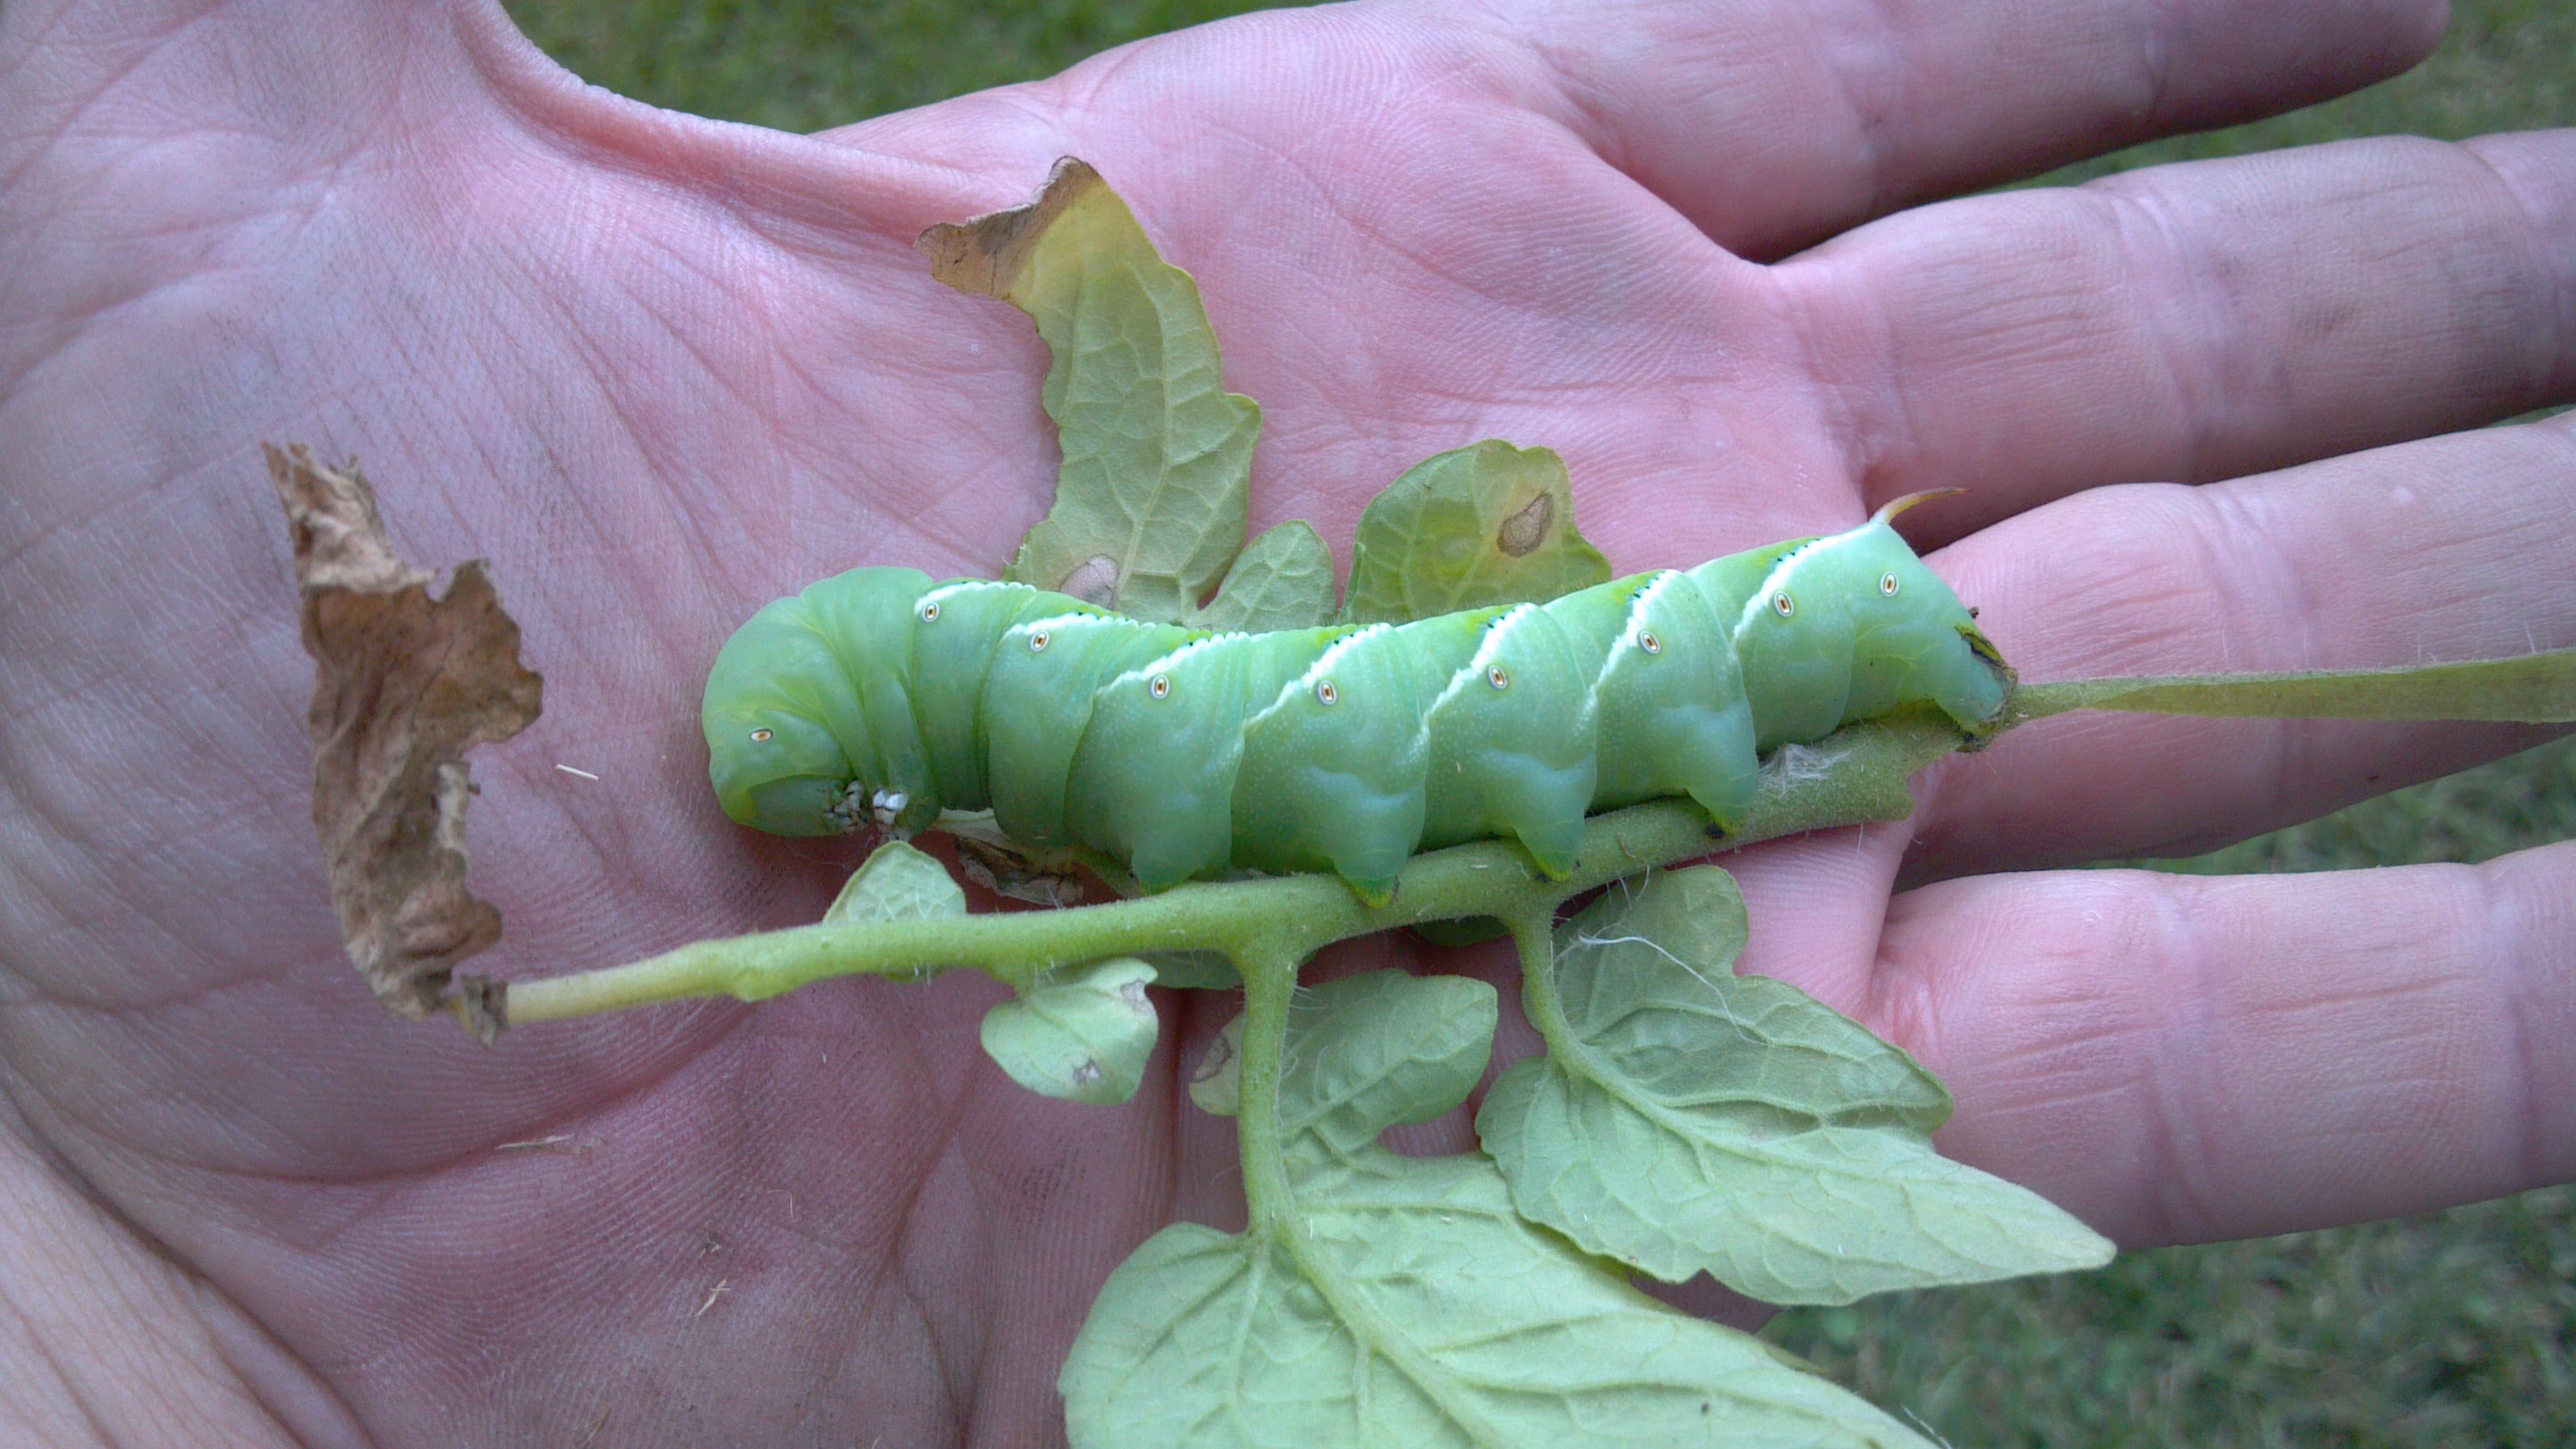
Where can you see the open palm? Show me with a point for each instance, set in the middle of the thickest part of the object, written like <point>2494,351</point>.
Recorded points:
<point>659,370</point>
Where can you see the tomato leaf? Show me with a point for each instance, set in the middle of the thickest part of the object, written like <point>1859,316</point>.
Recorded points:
<point>1081,1034</point>
<point>898,883</point>
<point>1402,1301</point>
<point>1151,500</point>
<point>1686,1119</point>
<point>1284,580</point>
<point>1481,525</point>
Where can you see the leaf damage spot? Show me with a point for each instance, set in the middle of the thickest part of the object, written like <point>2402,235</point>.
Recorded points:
<point>1486,524</point>
<point>1094,581</point>
<point>984,255</point>
<point>1527,529</point>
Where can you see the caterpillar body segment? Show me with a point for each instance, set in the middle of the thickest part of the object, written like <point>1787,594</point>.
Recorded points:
<point>877,696</point>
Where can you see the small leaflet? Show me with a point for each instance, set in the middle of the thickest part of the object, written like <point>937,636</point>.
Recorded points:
<point>1481,525</point>
<point>1081,1034</point>
<point>1402,1301</point>
<point>1695,1120</point>
<point>898,883</point>
<point>404,684</point>
<point>1153,494</point>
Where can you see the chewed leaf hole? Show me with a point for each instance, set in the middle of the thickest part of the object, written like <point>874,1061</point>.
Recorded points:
<point>1094,581</point>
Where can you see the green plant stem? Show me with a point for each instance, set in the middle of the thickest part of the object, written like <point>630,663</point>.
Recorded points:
<point>1276,1219</point>
<point>1859,774</point>
<point>2529,689</point>
<point>1269,986</point>
<point>1534,936</point>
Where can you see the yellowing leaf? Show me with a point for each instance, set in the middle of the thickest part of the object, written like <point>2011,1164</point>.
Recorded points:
<point>1487,524</point>
<point>1151,501</point>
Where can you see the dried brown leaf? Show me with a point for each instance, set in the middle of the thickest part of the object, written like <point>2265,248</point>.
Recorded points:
<point>404,684</point>
<point>987,254</point>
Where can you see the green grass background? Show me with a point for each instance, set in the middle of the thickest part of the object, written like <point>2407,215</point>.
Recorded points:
<point>2456,1329</point>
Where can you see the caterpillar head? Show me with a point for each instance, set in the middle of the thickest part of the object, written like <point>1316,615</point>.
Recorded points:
<point>783,726</point>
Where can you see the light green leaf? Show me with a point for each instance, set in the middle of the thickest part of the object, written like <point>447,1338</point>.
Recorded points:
<point>1082,1034</point>
<point>2531,689</point>
<point>1372,1051</point>
<point>1151,501</point>
<point>1284,580</point>
<point>1403,1304</point>
<point>1688,1119</point>
<point>898,883</point>
<point>1487,524</point>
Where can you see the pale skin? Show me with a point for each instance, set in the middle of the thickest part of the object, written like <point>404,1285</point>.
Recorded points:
<point>659,370</point>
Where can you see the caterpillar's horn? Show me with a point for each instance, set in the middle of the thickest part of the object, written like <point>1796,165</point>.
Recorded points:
<point>1895,506</point>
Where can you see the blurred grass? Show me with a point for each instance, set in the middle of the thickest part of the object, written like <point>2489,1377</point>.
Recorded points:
<point>803,65</point>
<point>2445,1332</point>
<point>2505,65</point>
<point>2528,799</point>
<point>2456,1329</point>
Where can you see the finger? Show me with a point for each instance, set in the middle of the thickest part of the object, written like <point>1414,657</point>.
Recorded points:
<point>2450,549</point>
<point>1832,114</point>
<point>2199,321</point>
<point>2178,1059</point>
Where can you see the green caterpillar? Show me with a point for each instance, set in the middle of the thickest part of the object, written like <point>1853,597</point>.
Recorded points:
<point>877,696</point>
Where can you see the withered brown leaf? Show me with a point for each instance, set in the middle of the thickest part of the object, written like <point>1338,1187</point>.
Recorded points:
<point>404,684</point>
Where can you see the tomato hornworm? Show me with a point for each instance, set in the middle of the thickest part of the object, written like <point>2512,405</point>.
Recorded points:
<point>878,696</point>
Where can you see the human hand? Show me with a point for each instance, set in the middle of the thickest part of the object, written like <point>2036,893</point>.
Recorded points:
<point>661,370</point>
